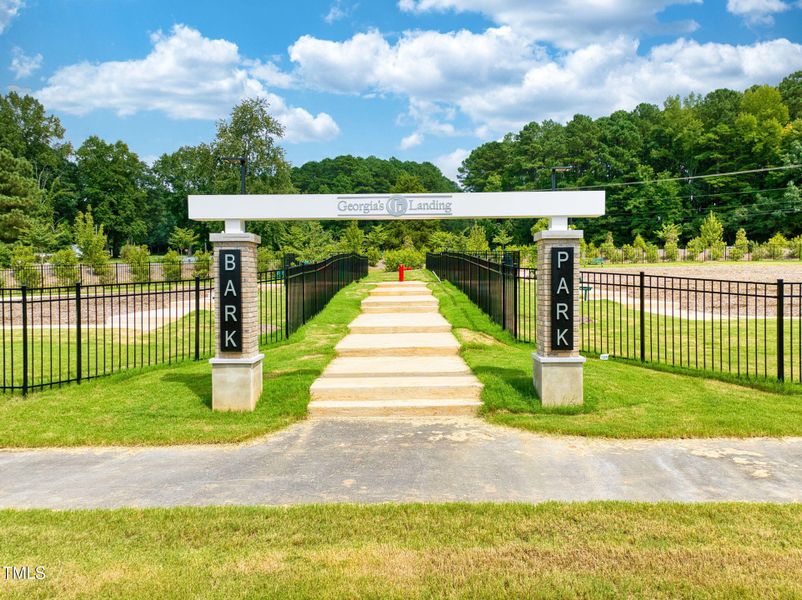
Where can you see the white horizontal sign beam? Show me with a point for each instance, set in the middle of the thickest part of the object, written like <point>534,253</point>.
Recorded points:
<point>492,205</point>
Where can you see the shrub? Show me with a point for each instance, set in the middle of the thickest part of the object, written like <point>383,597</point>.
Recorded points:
<point>374,256</point>
<point>796,246</point>
<point>717,250</point>
<point>741,246</point>
<point>203,264</point>
<point>171,266</point>
<point>26,269</point>
<point>65,266</point>
<point>267,259</point>
<point>652,253</point>
<point>776,246</point>
<point>631,254</point>
<point>408,257</point>
<point>92,244</point>
<point>694,248</point>
<point>138,259</point>
<point>759,251</point>
<point>671,251</point>
<point>608,249</point>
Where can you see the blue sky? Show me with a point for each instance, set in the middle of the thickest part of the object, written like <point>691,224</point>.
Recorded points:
<point>415,79</point>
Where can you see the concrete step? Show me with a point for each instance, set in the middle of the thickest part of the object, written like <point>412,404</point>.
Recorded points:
<point>401,291</point>
<point>396,299</point>
<point>393,408</point>
<point>398,344</point>
<point>399,323</point>
<point>400,308</point>
<point>393,366</point>
<point>399,388</point>
<point>407,283</point>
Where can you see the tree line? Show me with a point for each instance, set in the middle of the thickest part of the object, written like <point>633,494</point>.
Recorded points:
<point>649,161</point>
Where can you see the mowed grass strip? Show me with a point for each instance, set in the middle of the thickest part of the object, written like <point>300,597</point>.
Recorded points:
<point>622,399</point>
<point>171,404</point>
<point>588,550</point>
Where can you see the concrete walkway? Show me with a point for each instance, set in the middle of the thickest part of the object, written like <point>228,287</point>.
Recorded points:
<point>402,460</point>
<point>399,359</point>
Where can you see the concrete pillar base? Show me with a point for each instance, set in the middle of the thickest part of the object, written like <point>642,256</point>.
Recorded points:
<point>236,383</point>
<point>558,380</point>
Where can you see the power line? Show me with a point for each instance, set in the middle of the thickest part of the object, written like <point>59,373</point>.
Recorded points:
<point>687,178</point>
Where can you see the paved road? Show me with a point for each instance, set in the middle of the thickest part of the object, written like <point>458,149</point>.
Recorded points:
<point>397,460</point>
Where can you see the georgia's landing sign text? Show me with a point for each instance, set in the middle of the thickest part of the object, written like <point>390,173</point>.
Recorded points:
<point>230,300</point>
<point>503,205</point>
<point>562,300</point>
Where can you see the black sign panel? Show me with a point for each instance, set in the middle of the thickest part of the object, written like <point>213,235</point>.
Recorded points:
<point>562,298</point>
<point>230,300</point>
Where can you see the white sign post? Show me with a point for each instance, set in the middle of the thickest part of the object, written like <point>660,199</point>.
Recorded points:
<point>557,368</point>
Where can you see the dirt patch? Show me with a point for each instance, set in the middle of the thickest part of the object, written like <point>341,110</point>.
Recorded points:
<point>700,291</point>
<point>746,271</point>
<point>475,337</point>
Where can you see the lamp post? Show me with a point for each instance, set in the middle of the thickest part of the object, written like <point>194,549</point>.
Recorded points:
<point>242,162</point>
<point>554,171</point>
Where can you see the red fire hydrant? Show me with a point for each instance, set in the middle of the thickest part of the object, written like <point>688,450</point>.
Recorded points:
<point>401,269</point>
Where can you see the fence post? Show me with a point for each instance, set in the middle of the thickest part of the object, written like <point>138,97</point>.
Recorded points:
<point>78,370</point>
<point>24,340</point>
<point>197,317</point>
<point>642,318</point>
<point>780,330</point>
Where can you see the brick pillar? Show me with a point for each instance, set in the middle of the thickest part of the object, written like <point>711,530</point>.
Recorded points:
<point>237,375</point>
<point>557,371</point>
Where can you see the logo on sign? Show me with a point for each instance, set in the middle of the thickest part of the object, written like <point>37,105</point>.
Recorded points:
<point>397,206</point>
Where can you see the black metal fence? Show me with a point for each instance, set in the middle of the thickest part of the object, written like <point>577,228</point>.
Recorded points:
<point>53,275</point>
<point>743,328</point>
<point>490,285</point>
<point>310,287</point>
<point>56,335</point>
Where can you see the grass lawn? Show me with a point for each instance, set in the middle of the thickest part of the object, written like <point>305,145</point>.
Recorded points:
<point>622,398</point>
<point>588,550</point>
<point>171,404</point>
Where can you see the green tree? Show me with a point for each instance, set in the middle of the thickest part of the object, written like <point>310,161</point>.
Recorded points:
<point>251,132</point>
<point>308,241</point>
<point>791,91</point>
<point>113,182</point>
<point>352,239</point>
<point>138,259</point>
<point>171,266</point>
<point>502,238</point>
<point>741,246</point>
<point>477,239</point>
<point>26,266</point>
<point>19,196</point>
<point>183,239</point>
<point>65,266</point>
<point>91,241</point>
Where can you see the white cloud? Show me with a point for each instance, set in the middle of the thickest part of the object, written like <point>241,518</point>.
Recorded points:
<point>336,12</point>
<point>501,80</point>
<point>449,163</point>
<point>569,23</point>
<point>426,63</point>
<point>9,9</point>
<point>185,76</point>
<point>412,140</point>
<point>757,12</point>
<point>270,74</point>
<point>23,65</point>
<point>603,78</point>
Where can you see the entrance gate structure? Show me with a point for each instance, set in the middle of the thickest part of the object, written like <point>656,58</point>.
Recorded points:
<point>237,365</point>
